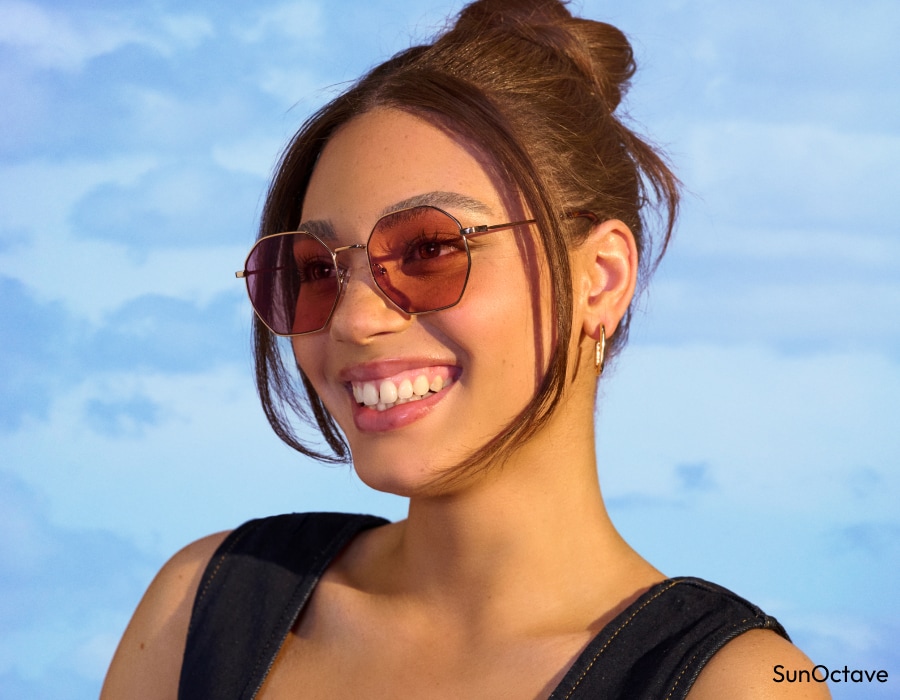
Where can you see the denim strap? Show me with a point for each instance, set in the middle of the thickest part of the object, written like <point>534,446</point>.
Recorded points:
<point>251,594</point>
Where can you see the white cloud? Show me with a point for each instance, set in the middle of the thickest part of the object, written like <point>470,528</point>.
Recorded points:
<point>769,426</point>
<point>54,39</point>
<point>793,172</point>
<point>187,31</point>
<point>845,633</point>
<point>837,638</point>
<point>40,193</point>
<point>51,40</point>
<point>93,278</point>
<point>180,124</point>
<point>91,575</point>
<point>810,247</point>
<point>786,309</point>
<point>179,204</point>
<point>295,21</point>
<point>253,156</point>
<point>294,86</point>
<point>208,462</point>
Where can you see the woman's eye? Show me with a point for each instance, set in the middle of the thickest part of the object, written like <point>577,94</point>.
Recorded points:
<point>315,270</point>
<point>428,247</point>
<point>431,250</point>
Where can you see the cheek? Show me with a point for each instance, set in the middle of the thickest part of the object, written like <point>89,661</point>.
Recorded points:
<point>309,352</point>
<point>506,320</point>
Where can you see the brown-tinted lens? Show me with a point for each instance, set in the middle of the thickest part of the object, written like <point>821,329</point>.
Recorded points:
<point>292,283</point>
<point>419,259</point>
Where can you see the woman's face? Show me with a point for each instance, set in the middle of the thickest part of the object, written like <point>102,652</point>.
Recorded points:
<point>484,356</point>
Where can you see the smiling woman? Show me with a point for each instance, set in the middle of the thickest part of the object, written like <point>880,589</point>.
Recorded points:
<point>453,247</point>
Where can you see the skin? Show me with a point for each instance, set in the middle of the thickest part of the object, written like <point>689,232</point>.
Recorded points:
<point>473,595</point>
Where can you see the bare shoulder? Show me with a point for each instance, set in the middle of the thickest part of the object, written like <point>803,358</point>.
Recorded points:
<point>147,662</point>
<point>747,667</point>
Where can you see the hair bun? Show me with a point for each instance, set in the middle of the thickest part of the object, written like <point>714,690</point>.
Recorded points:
<point>493,12</point>
<point>600,52</point>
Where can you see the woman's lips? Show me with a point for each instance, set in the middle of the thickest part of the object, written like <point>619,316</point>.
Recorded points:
<point>371,420</point>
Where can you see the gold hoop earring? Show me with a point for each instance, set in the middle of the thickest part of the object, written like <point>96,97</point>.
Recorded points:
<point>600,351</point>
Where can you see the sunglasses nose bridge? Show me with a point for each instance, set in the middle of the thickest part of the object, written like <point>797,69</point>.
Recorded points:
<point>375,268</point>
<point>355,246</point>
<point>363,308</point>
<point>343,249</point>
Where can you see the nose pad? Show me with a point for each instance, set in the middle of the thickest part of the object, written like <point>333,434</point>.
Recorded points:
<point>363,310</point>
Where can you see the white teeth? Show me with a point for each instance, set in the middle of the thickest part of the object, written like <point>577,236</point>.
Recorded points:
<point>369,394</point>
<point>387,392</point>
<point>420,386</point>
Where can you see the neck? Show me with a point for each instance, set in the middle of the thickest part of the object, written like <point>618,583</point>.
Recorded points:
<point>514,531</point>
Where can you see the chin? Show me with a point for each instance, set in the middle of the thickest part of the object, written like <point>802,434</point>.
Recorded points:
<point>407,478</point>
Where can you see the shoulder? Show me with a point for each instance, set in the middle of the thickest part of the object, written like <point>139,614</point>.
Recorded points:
<point>147,661</point>
<point>748,667</point>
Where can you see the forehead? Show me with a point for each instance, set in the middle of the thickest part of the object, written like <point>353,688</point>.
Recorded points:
<point>385,158</point>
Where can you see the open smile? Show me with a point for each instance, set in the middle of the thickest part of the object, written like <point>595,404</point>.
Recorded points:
<point>405,387</point>
<point>395,392</point>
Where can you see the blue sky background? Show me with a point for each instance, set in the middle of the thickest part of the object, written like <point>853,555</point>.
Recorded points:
<point>748,435</point>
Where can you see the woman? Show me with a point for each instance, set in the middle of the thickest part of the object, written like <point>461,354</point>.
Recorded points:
<point>466,229</point>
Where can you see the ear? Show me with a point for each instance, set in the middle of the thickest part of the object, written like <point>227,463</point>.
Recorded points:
<point>606,266</point>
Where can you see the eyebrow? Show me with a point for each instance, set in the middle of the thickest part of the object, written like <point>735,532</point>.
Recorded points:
<point>444,200</point>
<point>451,200</point>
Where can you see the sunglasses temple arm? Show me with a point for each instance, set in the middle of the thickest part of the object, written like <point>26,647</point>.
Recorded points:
<point>241,274</point>
<point>478,230</point>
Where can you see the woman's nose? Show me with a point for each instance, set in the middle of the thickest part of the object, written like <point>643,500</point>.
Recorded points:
<point>363,311</point>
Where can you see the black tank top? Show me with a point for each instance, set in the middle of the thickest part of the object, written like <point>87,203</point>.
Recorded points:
<point>259,580</point>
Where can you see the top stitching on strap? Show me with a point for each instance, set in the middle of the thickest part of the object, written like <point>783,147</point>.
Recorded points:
<point>223,554</point>
<point>614,635</point>
<point>767,625</point>
<point>691,660</point>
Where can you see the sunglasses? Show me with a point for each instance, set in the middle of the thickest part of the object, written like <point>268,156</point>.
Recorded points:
<point>419,258</point>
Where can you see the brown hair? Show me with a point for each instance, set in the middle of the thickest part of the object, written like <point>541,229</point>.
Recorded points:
<point>536,89</point>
